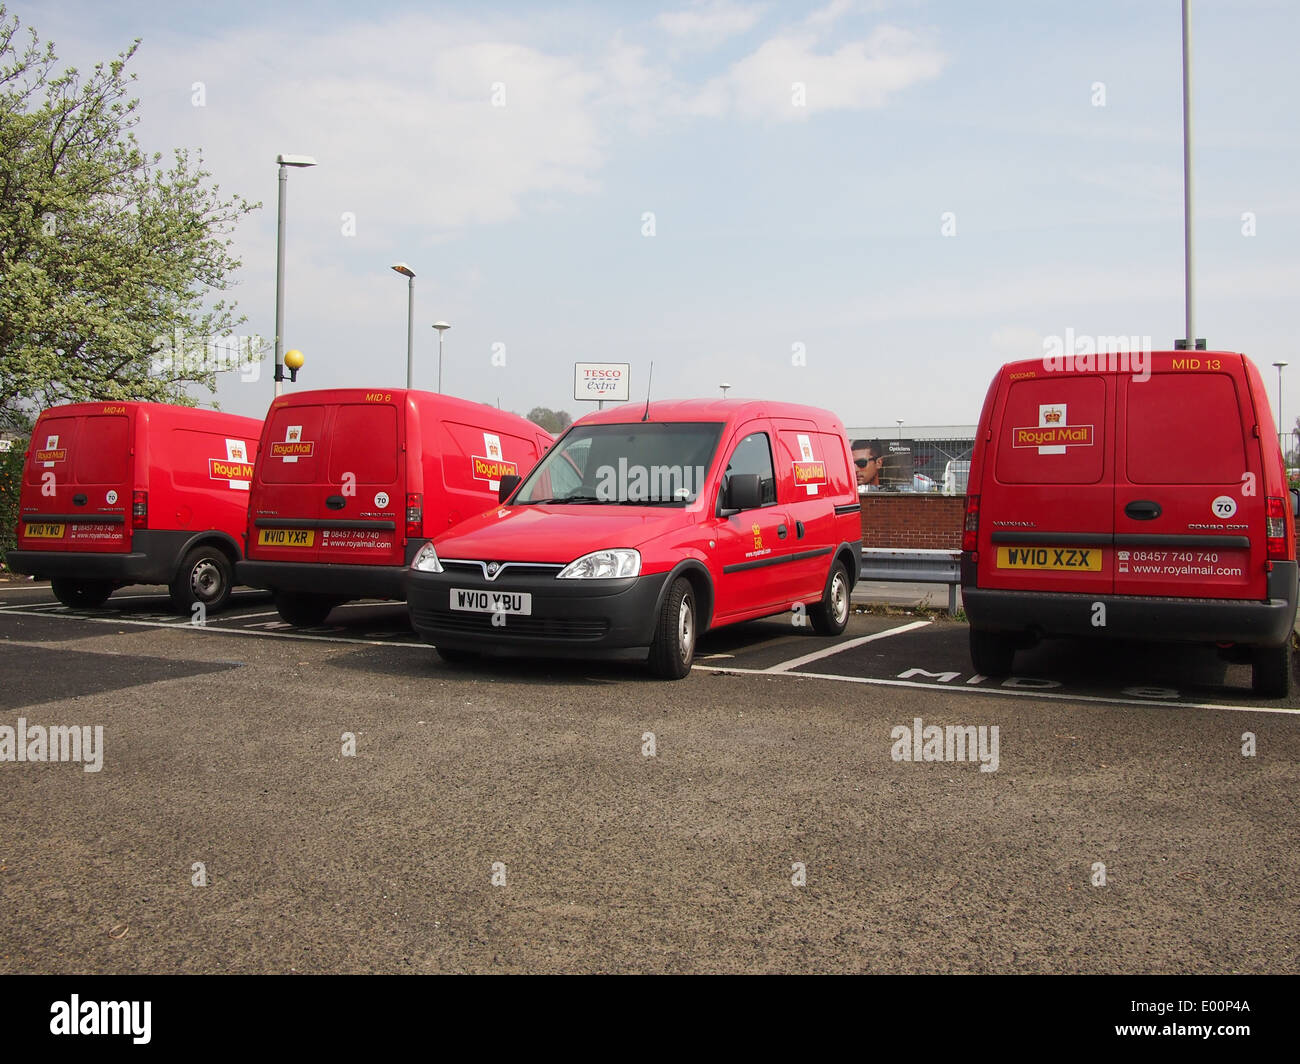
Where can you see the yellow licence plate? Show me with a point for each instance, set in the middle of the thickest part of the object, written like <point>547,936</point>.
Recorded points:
<point>44,531</point>
<point>286,537</point>
<point>1084,559</point>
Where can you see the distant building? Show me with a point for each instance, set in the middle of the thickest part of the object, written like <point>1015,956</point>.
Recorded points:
<point>917,457</point>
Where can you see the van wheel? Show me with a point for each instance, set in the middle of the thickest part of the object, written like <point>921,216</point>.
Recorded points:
<point>81,594</point>
<point>831,615</point>
<point>304,611</point>
<point>205,576</point>
<point>673,649</point>
<point>992,653</point>
<point>1270,674</point>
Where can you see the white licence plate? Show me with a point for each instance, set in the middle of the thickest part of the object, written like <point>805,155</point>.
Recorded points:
<point>512,603</point>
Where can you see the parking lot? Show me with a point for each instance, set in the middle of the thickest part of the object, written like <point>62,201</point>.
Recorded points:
<point>550,816</point>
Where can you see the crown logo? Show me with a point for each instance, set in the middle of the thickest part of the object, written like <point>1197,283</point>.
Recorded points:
<point>1052,416</point>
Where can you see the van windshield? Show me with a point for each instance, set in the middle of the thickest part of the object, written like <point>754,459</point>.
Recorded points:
<point>639,464</point>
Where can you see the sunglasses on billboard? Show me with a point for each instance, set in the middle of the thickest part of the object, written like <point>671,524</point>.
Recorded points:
<point>863,462</point>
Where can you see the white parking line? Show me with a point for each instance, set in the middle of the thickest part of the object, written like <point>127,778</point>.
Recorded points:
<point>1058,696</point>
<point>817,655</point>
<point>181,625</point>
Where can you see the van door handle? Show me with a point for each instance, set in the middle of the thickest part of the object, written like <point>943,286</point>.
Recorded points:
<point>336,502</point>
<point>782,531</point>
<point>798,529</point>
<point>1143,510</point>
<point>79,500</point>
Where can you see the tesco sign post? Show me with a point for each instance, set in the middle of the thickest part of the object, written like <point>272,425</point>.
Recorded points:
<point>601,380</point>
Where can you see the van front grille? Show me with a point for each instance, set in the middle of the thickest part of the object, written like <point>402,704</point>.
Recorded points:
<point>453,621</point>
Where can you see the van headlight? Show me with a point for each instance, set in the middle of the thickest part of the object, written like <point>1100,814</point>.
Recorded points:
<point>603,565</point>
<point>426,560</point>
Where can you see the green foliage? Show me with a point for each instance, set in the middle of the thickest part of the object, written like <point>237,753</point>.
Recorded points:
<point>553,421</point>
<point>11,475</point>
<point>105,251</point>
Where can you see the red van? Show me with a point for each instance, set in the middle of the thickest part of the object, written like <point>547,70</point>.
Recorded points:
<point>352,482</point>
<point>135,493</point>
<point>1131,498</point>
<point>645,526</point>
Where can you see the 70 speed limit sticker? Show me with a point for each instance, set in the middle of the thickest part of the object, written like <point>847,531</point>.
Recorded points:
<point>1223,507</point>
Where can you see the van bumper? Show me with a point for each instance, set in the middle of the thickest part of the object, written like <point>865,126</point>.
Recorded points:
<point>1266,623</point>
<point>152,560</point>
<point>319,578</point>
<point>599,619</point>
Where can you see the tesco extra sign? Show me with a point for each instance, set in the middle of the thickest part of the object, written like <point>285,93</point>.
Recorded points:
<point>601,380</point>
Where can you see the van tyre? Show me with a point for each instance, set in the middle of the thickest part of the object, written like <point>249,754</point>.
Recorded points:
<point>1270,674</point>
<point>992,653</point>
<point>205,576</point>
<point>81,594</point>
<point>303,611</point>
<point>831,615</point>
<point>673,648</point>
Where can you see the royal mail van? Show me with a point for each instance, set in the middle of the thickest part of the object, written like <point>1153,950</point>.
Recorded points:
<point>353,482</point>
<point>644,526</point>
<point>135,493</point>
<point>1131,497</point>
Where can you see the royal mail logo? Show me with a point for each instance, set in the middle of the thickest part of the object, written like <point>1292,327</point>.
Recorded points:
<point>58,455</point>
<point>221,470</point>
<point>493,469</point>
<point>1053,436</point>
<point>1052,417</point>
<point>810,472</point>
<point>300,449</point>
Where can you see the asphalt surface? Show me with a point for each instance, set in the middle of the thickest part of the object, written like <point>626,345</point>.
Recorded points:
<point>225,745</point>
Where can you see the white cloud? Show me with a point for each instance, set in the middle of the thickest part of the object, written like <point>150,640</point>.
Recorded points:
<point>858,75</point>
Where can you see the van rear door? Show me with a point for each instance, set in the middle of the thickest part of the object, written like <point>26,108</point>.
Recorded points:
<point>291,473</point>
<point>362,503</point>
<point>77,492</point>
<point>1048,494</point>
<point>1190,495</point>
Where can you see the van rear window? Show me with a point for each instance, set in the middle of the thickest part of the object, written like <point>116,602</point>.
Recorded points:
<point>1053,431</point>
<point>364,443</point>
<point>1184,428</point>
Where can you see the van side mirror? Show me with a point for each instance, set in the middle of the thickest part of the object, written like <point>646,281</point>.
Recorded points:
<point>506,486</point>
<point>1295,502</point>
<point>744,492</point>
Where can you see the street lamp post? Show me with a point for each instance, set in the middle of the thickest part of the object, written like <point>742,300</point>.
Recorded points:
<point>724,388</point>
<point>1280,444</point>
<point>407,272</point>
<point>284,161</point>
<point>900,428</point>
<point>442,327</point>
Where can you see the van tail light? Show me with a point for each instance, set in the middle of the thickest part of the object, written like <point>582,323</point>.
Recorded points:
<point>140,509</point>
<point>1276,529</point>
<point>414,514</point>
<point>970,532</point>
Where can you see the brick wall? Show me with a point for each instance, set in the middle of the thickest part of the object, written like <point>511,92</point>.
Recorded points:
<point>932,522</point>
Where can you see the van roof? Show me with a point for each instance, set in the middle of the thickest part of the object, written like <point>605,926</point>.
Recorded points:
<point>192,414</point>
<point>1107,362</point>
<point>396,396</point>
<point>705,410</point>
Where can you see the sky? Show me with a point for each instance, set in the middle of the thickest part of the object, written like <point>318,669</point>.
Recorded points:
<point>864,206</point>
